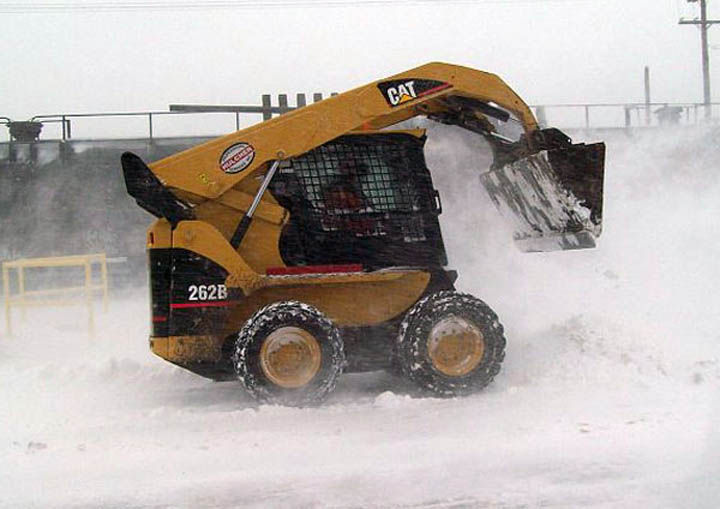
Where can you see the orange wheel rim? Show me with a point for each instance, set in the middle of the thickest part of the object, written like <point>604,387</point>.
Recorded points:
<point>455,346</point>
<point>290,357</point>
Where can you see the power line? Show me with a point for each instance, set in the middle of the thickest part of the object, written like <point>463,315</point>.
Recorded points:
<point>137,5</point>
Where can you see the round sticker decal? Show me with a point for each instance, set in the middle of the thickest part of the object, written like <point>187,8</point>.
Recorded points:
<point>237,157</point>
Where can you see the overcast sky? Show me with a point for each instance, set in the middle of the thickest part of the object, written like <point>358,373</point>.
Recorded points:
<point>548,51</point>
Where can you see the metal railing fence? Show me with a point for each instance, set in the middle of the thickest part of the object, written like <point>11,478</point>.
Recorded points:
<point>571,115</point>
<point>57,296</point>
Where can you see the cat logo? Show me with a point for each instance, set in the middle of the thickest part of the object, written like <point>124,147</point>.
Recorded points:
<point>402,93</point>
<point>398,92</point>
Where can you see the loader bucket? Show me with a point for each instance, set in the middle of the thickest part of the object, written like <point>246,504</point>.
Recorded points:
<point>553,197</point>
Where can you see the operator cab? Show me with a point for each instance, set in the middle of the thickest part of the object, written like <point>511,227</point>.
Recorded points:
<point>361,199</point>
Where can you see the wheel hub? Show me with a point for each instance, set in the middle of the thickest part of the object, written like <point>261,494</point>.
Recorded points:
<point>290,357</point>
<point>455,346</point>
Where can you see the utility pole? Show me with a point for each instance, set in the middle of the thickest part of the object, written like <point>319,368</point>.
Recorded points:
<point>647,95</point>
<point>704,24</point>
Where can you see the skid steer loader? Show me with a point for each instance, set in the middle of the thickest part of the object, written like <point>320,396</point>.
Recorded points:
<point>309,244</point>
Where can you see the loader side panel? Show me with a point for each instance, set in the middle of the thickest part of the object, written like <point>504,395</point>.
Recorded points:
<point>188,293</point>
<point>199,301</point>
<point>159,265</point>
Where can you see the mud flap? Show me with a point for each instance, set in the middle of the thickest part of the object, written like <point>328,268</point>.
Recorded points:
<point>553,197</point>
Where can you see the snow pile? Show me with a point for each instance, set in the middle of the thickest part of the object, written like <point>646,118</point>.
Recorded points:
<point>588,351</point>
<point>643,304</point>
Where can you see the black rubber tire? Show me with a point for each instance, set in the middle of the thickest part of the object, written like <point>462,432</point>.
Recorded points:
<point>283,314</point>
<point>411,352</point>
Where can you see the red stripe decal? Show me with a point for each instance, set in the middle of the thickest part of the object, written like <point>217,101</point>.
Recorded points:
<point>203,304</point>
<point>157,319</point>
<point>436,89</point>
<point>313,269</point>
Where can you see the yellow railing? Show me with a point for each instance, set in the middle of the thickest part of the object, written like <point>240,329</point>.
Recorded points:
<point>63,296</point>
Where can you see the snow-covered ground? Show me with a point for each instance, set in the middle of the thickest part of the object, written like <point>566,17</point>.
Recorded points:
<point>609,396</point>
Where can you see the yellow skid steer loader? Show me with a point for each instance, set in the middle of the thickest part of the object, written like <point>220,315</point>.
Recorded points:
<point>309,244</point>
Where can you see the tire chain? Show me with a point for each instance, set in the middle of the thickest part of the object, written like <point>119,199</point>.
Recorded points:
<point>414,322</point>
<point>283,312</point>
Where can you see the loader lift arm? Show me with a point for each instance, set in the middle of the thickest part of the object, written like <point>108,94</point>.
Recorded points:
<point>550,188</point>
<point>365,107</point>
